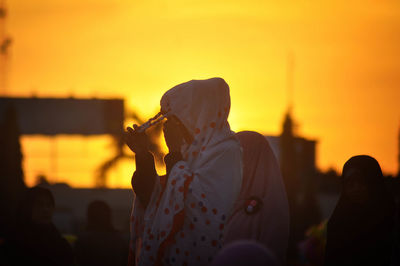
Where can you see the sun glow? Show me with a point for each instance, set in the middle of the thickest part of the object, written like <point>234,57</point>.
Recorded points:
<point>346,74</point>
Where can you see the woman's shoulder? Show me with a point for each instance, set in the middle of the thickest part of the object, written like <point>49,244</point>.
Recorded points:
<point>230,144</point>
<point>228,151</point>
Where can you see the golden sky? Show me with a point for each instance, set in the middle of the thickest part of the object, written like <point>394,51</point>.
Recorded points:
<point>346,77</point>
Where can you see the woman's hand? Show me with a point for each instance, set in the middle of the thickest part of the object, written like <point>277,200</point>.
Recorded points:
<point>137,141</point>
<point>173,135</point>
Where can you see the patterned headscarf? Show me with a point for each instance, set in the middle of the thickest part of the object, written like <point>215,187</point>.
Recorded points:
<point>185,219</point>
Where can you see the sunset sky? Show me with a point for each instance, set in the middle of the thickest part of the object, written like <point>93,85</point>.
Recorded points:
<point>346,66</point>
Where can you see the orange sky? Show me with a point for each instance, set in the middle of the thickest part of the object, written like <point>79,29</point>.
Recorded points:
<point>346,79</point>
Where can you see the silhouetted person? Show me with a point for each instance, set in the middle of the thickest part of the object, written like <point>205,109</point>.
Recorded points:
<point>12,185</point>
<point>180,219</point>
<point>101,244</point>
<point>360,230</point>
<point>36,240</point>
<point>261,212</point>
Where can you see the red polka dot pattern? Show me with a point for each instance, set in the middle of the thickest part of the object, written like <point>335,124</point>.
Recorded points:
<point>203,218</point>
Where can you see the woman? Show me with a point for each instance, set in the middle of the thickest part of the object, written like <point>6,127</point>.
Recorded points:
<point>180,219</point>
<point>261,212</point>
<point>101,244</point>
<point>360,229</point>
<point>36,240</point>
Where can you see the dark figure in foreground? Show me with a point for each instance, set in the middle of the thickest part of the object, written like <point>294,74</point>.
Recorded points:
<point>101,244</point>
<point>360,230</point>
<point>261,212</point>
<point>36,241</point>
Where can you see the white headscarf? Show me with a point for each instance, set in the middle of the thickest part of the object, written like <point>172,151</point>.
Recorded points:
<point>184,221</point>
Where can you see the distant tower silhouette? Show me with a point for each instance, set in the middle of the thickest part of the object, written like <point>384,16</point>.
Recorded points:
<point>288,160</point>
<point>288,153</point>
<point>290,80</point>
<point>5,42</point>
<point>297,159</point>
<point>287,138</point>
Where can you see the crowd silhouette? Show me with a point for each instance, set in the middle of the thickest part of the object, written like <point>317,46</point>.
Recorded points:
<point>101,243</point>
<point>35,240</point>
<point>223,201</point>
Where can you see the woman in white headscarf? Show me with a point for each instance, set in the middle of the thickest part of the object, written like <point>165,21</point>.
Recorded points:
<point>180,219</point>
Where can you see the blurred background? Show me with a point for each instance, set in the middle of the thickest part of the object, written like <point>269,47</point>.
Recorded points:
<point>320,79</point>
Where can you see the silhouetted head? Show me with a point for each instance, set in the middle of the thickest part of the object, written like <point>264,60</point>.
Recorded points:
<point>197,103</point>
<point>99,216</point>
<point>202,108</point>
<point>37,206</point>
<point>259,165</point>
<point>360,229</point>
<point>362,178</point>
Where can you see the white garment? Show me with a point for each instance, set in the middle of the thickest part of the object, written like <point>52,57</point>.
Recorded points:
<point>201,189</point>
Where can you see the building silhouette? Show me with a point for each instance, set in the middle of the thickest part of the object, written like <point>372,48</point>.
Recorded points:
<point>297,159</point>
<point>51,117</point>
